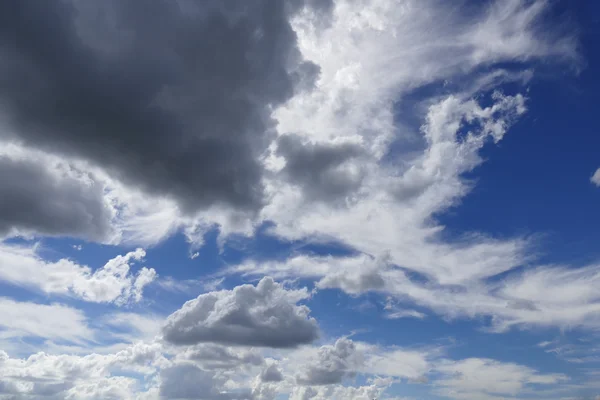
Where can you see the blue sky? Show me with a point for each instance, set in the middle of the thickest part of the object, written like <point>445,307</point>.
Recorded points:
<point>313,199</point>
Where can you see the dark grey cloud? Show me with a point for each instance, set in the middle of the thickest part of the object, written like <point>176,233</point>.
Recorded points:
<point>213,356</point>
<point>33,198</point>
<point>316,167</point>
<point>173,97</point>
<point>271,374</point>
<point>333,364</point>
<point>265,315</point>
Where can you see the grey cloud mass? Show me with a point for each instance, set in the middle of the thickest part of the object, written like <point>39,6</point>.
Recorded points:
<point>271,374</point>
<point>318,167</point>
<point>332,365</point>
<point>186,381</point>
<point>173,97</point>
<point>213,356</point>
<point>34,199</point>
<point>265,315</point>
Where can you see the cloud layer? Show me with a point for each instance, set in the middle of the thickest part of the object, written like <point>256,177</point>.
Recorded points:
<point>302,122</point>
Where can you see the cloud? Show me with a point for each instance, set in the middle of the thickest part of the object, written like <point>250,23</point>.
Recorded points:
<point>212,356</point>
<point>595,179</point>
<point>264,315</point>
<point>271,374</point>
<point>337,392</point>
<point>40,198</point>
<point>112,283</point>
<point>395,312</point>
<point>477,378</point>
<point>332,365</point>
<point>323,171</point>
<point>354,274</point>
<point>54,321</point>
<point>116,91</point>
<point>574,300</point>
<point>186,381</point>
<point>170,373</point>
<point>391,213</point>
<point>51,377</point>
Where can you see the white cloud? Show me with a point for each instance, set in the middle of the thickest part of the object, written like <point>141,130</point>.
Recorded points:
<point>595,179</point>
<point>53,321</point>
<point>49,376</point>
<point>331,363</point>
<point>262,315</point>
<point>550,296</point>
<point>477,378</point>
<point>397,314</point>
<point>224,372</point>
<point>337,392</point>
<point>392,50</point>
<point>21,265</point>
<point>131,326</point>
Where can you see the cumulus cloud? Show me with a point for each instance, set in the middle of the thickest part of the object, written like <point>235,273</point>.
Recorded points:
<point>113,283</point>
<point>262,315</point>
<point>339,392</point>
<point>48,376</point>
<point>332,365</point>
<point>170,373</point>
<point>271,374</point>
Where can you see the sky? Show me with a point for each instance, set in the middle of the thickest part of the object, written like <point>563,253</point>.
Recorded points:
<point>299,199</point>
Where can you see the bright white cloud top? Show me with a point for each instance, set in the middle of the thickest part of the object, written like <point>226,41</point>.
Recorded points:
<point>245,199</point>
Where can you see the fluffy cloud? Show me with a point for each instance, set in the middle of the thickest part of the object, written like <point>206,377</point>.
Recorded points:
<point>52,377</point>
<point>220,372</point>
<point>262,315</point>
<point>114,283</point>
<point>332,365</point>
<point>271,374</point>
<point>337,393</point>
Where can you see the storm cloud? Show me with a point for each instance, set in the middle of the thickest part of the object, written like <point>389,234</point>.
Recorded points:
<point>37,198</point>
<point>173,98</point>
